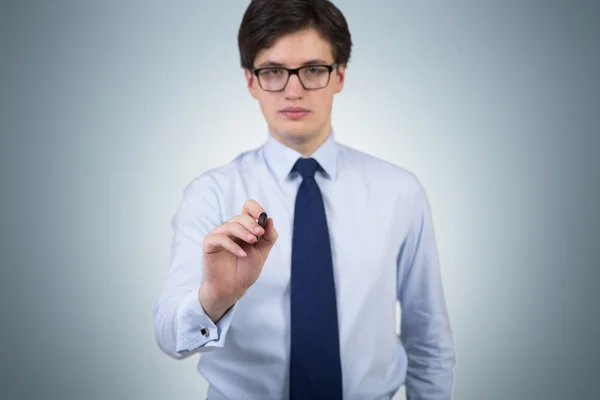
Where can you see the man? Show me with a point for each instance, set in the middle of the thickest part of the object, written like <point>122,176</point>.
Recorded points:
<point>304,307</point>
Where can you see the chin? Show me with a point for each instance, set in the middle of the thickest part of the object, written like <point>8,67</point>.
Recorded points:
<point>296,133</point>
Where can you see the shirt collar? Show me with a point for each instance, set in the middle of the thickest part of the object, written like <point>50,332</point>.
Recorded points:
<point>281,158</point>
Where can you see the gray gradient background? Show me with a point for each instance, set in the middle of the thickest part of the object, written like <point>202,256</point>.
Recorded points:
<point>109,109</point>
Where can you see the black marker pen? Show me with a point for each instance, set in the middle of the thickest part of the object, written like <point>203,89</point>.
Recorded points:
<point>262,221</point>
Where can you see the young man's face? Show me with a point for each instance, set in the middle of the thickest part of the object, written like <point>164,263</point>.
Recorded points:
<point>296,114</point>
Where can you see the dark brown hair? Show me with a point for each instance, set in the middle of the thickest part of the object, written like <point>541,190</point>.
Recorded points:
<point>265,21</point>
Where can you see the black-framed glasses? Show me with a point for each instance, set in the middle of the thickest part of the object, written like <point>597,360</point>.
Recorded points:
<point>311,77</point>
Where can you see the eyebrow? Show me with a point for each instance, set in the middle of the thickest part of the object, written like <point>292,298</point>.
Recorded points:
<point>316,61</point>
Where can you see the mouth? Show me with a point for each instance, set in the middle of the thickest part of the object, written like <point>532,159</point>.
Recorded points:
<point>294,112</point>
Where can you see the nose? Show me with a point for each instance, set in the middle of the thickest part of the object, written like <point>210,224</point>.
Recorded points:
<point>294,88</point>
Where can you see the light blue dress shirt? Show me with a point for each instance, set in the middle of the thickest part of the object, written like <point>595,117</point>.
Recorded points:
<point>383,250</point>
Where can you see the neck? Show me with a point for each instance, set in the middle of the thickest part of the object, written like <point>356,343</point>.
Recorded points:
<point>303,145</point>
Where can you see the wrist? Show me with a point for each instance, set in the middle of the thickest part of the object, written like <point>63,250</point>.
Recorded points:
<point>214,306</point>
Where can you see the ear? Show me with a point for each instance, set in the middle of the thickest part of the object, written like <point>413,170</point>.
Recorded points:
<point>250,82</point>
<point>339,77</point>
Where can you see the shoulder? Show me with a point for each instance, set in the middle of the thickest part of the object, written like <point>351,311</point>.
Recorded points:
<point>215,181</point>
<point>376,170</point>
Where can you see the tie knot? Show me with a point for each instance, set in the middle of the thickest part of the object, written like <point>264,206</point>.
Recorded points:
<point>306,167</point>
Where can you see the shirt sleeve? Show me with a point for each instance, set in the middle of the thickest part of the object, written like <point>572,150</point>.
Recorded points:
<point>425,326</point>
<point>181,325</point>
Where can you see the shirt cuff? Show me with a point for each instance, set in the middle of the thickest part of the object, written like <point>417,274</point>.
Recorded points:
<point>195,329</point>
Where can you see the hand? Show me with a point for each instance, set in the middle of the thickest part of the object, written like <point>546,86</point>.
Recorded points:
<point>233,259</point>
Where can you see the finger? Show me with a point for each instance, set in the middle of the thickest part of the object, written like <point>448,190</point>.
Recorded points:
<point>270,232</point>
<point>236,230</point>
<point>249,223</point>
<point>266,242</point>
<point>216,242</point>
<point>252,208</point>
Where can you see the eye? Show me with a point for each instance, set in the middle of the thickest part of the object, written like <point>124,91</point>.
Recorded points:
<point>272,72</point>
<point>316,70</point>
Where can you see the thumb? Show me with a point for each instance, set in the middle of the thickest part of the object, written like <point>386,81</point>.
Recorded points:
<point>268,239</point>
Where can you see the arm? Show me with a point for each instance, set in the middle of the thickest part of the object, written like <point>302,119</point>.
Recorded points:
<point>181,325</point>
<point>425,326</point>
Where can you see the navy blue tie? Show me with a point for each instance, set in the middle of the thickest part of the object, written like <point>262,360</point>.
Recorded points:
<point>315,367</point>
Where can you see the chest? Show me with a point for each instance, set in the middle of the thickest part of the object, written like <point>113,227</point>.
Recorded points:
<point>365,233</point>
